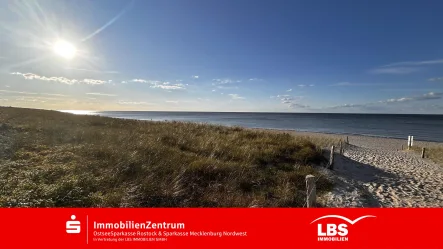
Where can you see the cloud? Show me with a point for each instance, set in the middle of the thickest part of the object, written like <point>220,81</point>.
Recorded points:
<point>159,84</point>
<point>405,67</point>
<point>7,91</point>
<point>255,79</point>
<point>54,94</point>
<point>195,76</point>
<point>32,93</point>
<point>26,99</point>
<point>424,97</point>
<point>415,63</point>
<point>224,81</point>
<point>32,76</point>
<point>436,79</point>
<point>291,101</point>
<point>102,94</point>
<point>297,105</point>
<point>303,85</point>
<point>133,103</point>
<point>235,96</point>
<point>94,82</point>
<point>395,70</point>
<point>347,106</point>
<point>289,90</point>
<point>427,96</point>
<point>140,80</point>
<point>172,101</point>
<point>352,84</point>
<point>167,86</point>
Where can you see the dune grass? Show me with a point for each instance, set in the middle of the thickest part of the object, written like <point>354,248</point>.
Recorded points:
<point>54,159</point>
<point>434,153</point>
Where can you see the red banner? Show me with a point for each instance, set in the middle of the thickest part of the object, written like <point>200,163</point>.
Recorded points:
<point>221,228</point>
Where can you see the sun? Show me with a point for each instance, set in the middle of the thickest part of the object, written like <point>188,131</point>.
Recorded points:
<point>64,49</point>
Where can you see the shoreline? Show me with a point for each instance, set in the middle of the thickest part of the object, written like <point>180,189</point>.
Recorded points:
<point>335,135</point>
<point>365,141</point>
<point>156,119</point>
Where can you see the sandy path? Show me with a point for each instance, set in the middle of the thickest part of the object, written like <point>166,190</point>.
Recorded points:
<point>372,177</point>
<point>375,172</point>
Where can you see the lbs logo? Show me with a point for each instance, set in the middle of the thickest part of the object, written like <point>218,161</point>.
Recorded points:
<point>333,231</point>
<point>73,226</point>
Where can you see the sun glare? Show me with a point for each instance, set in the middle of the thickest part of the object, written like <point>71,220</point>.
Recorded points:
<point>64,49</point>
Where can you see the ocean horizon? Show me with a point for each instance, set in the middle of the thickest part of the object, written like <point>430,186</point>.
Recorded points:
<point>424,127</point>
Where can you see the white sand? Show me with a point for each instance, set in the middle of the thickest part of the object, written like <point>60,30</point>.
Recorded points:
<point>374,172</point>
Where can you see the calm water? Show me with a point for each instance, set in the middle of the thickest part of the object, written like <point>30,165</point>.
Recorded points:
<point>422,127</point>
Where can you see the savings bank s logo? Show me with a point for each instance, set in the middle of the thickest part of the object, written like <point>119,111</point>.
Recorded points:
<point>73,226</point>
<point>334,231</point>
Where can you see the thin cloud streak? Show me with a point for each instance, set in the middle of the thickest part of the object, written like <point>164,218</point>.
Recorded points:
<point>345,84</point>
<point>236,96</point>
<point>159,84</point>
<point>395,70</point>
<point>415,63</point>
<point>121,13</point>
<point>102,94</point>
<point>32,76</point>
<point>224,81</point>
<point>436,79</point>
<point>291,101</point>
<point>424,97</point>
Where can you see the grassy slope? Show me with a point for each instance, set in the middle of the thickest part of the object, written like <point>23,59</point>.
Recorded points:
<point>435,153</point>
<point>59,159</point>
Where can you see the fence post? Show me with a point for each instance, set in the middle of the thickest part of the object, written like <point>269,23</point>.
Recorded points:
<point>310,190</point>
<point>347,139</point>
<point>402,147</point>
<point>331,159</point>
<point>341,147</point>
<point>423,153</point>
<point>409,142</point>
<point>412,141</point>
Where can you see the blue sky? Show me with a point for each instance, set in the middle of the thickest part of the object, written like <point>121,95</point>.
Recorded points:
<point>207,55</point>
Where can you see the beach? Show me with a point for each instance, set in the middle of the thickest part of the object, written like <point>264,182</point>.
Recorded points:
<point>76,160</point>
<point>376,172</point>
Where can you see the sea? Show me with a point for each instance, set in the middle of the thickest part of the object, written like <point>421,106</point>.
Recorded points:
<point>422,127</point>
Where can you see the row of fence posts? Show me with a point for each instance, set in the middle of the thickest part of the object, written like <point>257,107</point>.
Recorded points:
<point>310,179</point>
<point>411,143</point>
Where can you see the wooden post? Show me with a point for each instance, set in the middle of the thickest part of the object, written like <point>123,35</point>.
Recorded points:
<point>402,147</point>
<point>347,139</point>
<point>310,191</point>
<point>412,141</point>
<point>423,153</point>
<point>409,142</point>
<point>341,147</point>
<point>331,159</point>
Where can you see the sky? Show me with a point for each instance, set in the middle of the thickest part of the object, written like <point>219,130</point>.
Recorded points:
<point>231,55</point>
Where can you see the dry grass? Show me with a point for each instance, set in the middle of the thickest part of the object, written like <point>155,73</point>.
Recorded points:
<point>434,153</point>
<point>319,139</point>
<point>63,160</point>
